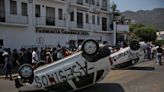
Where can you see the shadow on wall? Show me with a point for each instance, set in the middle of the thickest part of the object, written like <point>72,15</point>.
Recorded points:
<point>104,87</point>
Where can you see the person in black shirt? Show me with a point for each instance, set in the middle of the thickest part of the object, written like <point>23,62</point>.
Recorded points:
<point>159,55</point>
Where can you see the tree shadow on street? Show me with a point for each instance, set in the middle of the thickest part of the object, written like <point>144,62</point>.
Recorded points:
<point>104,87</point>
<point>142,68</point>
<point>137,68</point>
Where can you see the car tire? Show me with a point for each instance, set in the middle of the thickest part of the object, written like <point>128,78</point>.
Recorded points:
<point>90,47</point>
<point>41,63</point>
<point>134,61</point>
<point>18,84</point>
<point>134,45</point>
<point>30,67</point>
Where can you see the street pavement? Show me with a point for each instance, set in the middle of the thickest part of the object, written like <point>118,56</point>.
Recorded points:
<point>144,77</point>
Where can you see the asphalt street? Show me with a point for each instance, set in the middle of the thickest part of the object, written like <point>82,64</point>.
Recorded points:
<point>144,77</point>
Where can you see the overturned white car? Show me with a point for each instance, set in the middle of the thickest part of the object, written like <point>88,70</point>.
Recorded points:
<point>128,56</point>
<point>79,70</point>
<point>74,72</point>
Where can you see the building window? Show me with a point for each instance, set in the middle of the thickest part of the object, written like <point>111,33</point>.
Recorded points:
<point>2,11</point>
<point>104,24</point>
<point>72,16</point>
<point>50,16</point>
<point>13,7</point>
<point>80,2</point>
<point>87,18</point>
<point>93,19</point>
<point>37,10</point>
<point>24,9</point>
<point>93,2</point>
<point>86,1</point>
<point>98,20</point>
<point>104,5</point>
<point>98,3</point>
<point>1,42</point>
<point>60,14</point>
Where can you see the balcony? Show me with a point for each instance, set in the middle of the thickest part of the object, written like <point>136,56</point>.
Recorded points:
<point>79,25</point>
<point>79,4</point>
<point>104,8</point>
<point>60,1</point>
<point>87,27</point>
<point>13,20</point>
<point>50,22</point>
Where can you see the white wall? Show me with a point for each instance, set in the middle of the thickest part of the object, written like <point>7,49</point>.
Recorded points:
<point>50,3</point>
<point>122,28</point>
<point>18,36</point>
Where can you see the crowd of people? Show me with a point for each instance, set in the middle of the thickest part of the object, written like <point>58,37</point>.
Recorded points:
<point>15,58</point>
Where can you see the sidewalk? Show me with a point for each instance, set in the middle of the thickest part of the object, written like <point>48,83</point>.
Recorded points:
<point>2,72</point>
<point>13,76</point>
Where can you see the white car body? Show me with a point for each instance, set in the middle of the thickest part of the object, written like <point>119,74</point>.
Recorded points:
<point>74,69</point>
<point>69,74</point>
<point>127,55</point>
<point>77,71</point>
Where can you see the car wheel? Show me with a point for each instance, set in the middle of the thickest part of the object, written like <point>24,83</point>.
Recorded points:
<point>134,61</point>
<point>18,84</point>
<point>40,63</point>
<point>90,47</point>
<point>134,45</point>
<point>26,71</point>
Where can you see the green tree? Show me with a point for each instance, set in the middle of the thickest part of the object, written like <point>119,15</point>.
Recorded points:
<point>145,33</point>
<point>135,26</point>
<point>115,12</point>
<point>158,42</point>
<point>113,7</point>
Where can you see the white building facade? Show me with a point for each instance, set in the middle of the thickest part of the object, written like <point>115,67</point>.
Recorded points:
<point>48,23</point>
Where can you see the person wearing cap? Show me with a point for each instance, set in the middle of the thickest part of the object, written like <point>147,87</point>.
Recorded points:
<point>7,65</point>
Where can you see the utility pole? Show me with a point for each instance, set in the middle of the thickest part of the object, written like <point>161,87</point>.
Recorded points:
<point>113,7</point>
<point>114,33</point>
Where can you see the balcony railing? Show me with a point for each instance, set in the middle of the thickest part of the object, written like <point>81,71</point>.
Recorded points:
<point>87,26</point>
<point>79,3</point>
<point>79,25</point>
<point>60,1</point>
<point>14,19</point>
<point>50,21</point>
<point>104,8</point>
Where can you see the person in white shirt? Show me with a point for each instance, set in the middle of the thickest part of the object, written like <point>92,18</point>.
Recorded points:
<point>34,57</point>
